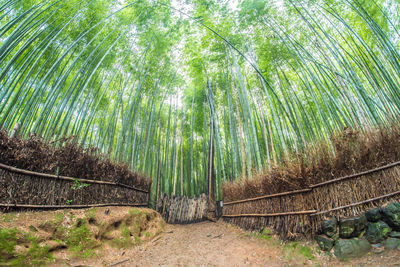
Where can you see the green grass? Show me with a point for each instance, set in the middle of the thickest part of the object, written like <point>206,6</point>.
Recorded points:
<point>35,255</point>
<point>135,212</point>
<point>7,242</point>
<point>125,241</point>
<point>265,234</point>
<point>294,250</point>
<point>147,234</point>
<point>9,217</point>
<point>306,252</point>
<point>59,218</point>
<point>91,214</point>
<point>79,240</point>
<point>291,250</point>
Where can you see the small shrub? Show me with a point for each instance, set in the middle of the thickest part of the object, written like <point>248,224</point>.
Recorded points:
<point>79,185</point>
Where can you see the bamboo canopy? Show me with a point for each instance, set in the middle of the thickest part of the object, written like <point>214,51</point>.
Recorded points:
<point>199,94</point>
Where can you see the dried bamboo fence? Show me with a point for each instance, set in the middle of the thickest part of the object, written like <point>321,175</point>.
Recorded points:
<point>182,209</point>
<point>299,213</point>
<point>24,189</point>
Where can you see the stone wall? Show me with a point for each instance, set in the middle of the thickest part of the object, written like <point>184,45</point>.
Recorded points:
<point>377,229</point>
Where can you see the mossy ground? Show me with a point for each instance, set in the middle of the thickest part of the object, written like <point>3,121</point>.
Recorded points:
<point>22,249</point>
<point>34,239</point>
<point>300,252</point>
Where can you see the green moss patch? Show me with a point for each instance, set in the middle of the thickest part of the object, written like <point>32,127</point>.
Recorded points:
<point>21,249</point>
<point>32,239</point>
<point>298,252</point>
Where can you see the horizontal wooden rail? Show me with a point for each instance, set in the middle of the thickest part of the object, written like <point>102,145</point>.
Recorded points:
<point>70,206</point>
<point>356,204</point>
<point>357,174</point>
<point>131,187</point>
<point>314,212</point>
<point>268,196</point>
<point>66,178</point>
<point>304,212</point>
<point>311,187</point>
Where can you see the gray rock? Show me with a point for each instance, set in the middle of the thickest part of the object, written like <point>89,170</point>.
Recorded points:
<point>394,234</point>
<point>329,227</point>
<point>373,215</point>
<point>361,226</point>
<point>391,215</point>
<point>377,232</point>
<point>325,243</point>
<point>352,227</point>
<point>378,248</point>
<point>335,236</point>
<point>351,248</point>
<point>392,243</point>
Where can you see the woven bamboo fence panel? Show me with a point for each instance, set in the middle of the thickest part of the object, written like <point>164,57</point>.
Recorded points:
<point>299,213</point>
<point>25,189</point>
<point>182,209</point>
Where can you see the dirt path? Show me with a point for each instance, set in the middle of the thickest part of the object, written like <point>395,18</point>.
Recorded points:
<point>205,244</point>
<point>219,244</point>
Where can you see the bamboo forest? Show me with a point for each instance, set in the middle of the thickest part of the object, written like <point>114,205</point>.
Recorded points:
<point>187,92</point>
